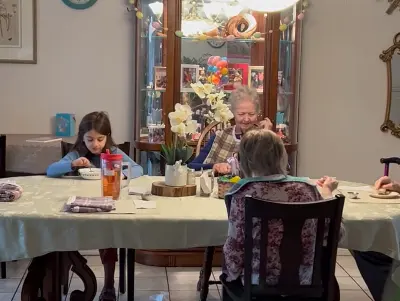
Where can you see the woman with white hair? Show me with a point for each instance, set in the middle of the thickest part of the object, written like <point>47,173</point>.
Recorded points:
<point>245,105</point>
<point>263,162</point>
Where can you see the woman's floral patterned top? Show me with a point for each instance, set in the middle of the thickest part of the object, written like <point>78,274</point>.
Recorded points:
<point>234,246</point>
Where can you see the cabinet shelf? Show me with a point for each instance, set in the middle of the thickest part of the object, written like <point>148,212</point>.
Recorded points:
<point>211,39</point>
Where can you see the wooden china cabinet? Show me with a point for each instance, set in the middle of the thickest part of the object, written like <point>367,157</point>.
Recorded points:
<point>174,42</point>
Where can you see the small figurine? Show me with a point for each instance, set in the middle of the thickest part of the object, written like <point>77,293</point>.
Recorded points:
<point>202,76</point>
<point>238,77</point>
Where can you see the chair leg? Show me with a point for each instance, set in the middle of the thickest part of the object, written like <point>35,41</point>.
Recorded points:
<point>225,295</point>
<point>3,270</point>
<point>131,274</point>
<point>205,274</point>
<point>122,269</point>
<point>65,278</point>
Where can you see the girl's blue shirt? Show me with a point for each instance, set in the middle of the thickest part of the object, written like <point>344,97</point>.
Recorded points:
<point>64,166</point>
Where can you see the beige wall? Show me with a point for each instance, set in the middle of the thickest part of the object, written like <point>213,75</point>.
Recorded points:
<point>343,90</point>
<point>85,60</point>
<point>84,64</point>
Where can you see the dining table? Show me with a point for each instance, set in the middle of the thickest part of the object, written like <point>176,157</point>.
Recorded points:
<point>37,226</point>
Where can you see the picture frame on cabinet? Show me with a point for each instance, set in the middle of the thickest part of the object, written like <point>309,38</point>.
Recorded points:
<point>189,75</point>
<point>18,32</point>
<point>256,78</point>
<point>238,74</point>
<point>160,78</point>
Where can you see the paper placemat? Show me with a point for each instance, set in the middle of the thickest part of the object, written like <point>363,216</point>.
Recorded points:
<point>124,206</point>
<point>356,188</point>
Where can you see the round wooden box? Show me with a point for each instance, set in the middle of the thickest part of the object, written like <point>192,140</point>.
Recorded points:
<point>160,189</point>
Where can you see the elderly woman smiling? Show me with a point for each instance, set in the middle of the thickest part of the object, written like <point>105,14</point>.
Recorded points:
<point>245,106</point>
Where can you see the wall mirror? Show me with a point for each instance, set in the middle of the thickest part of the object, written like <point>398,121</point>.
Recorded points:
<point>391,57</point>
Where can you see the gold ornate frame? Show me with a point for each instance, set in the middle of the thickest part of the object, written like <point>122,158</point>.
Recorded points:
<point>386,56</point>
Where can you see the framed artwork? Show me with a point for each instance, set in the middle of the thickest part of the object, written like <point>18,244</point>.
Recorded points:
<point>18,31</point>
<point>189,75</point>
<point>160,78</point>
<point>238,75</point>
<point>256,77</point>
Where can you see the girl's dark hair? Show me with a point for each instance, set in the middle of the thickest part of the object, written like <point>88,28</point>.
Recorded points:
<point>99,122</point>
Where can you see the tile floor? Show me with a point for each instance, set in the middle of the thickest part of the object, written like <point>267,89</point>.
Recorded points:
<point>178,283</point>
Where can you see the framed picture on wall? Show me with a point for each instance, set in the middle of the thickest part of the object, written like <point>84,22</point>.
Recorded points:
<point>18,40</point>
<point>189,75</point>
<point>238,75</point>
<point>256,77</point>
<point>160,78</point>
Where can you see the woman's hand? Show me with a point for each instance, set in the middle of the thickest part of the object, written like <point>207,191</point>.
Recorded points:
<point>222,168</point>
<point>388,184</point>
<point>328,185</point>
<point>266,124</point>
<point>81,162</point>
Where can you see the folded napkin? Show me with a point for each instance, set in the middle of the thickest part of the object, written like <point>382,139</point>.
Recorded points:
<point>10,191</point>
<point>78,204</point>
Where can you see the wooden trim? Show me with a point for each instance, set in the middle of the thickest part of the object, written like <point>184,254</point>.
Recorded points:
<point>172,63</point>
<point>177,258</point>
<point>272,66</point>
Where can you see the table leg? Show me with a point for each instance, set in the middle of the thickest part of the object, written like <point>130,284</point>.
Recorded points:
<point>131,274</point>
<point>43,281</point>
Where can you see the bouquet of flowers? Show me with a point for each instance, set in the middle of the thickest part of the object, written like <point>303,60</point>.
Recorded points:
<point>217,109</point>
<point>181,125</point>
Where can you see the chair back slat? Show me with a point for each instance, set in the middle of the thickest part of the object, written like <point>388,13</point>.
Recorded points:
<point>293,217</point>
<point>206,133</point>
<point>2,156</point>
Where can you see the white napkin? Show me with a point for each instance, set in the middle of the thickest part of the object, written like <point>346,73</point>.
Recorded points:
<point>205,182</point>
<point>139,191</point>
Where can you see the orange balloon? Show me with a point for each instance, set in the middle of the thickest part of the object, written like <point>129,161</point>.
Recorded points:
<point>215,80</point>
<point>215,60</point>
<point>224,71</point>
<point>222,64</point>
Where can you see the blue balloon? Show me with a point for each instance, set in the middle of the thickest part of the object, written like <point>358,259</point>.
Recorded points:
<point>224,58</point>
<point>214,69</point>
<point>210,68</point>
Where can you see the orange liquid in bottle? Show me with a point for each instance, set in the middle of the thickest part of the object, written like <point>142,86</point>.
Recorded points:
<point>112,185</point>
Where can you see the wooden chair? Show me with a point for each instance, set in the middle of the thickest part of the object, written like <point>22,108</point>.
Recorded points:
<point>324,286</point>
<point>3,266</point>
<point>387,162</point>
<point>125,147</point>
<point>208,131</point>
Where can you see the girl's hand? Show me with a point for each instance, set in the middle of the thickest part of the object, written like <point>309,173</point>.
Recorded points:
<point>387,184</point>
<point>321,181</point>
<point>266,124</point>
<point>222,168</point>
<point>81,162</point>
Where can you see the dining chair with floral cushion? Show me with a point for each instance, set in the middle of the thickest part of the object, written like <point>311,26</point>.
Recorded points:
<point>286,277</point>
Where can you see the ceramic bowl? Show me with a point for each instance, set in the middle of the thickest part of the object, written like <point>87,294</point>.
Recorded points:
<point>90,173</point>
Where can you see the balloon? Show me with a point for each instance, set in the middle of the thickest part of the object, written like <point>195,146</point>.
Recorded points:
<point>225,79</point>
<point>221,64</point>
<point>215,60</point>
<point>215,80</point>
<point>224,71</point>
<point>209,79</point>
<point>218,73</point>
<point>214,69</point>
<point>224,58</point>
<point>209,68</point>
<point>210,60</point>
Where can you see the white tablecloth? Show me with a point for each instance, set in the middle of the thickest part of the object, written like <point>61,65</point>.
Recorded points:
<point>34,224</point>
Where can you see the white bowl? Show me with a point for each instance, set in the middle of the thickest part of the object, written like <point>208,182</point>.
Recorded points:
<point>90,173</point>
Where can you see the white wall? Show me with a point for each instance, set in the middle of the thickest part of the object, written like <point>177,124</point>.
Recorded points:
<point>84,64</point>
<point>343,90</point>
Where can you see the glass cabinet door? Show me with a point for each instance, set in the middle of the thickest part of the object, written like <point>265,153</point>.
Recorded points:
<point>286,119</point>
<point>221,48</point>
<point>151,81</point>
